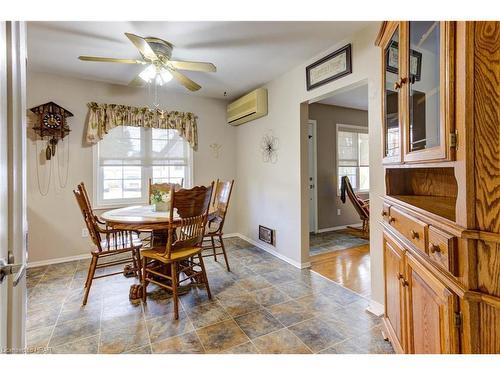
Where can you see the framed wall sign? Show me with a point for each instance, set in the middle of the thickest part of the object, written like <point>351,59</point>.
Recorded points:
<point>329,68</point>
<point>266,235</point>
<point>393,61</point>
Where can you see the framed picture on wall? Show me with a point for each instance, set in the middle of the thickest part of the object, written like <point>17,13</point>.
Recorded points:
<point>392,61</point>
<point>266,234</point>
<point>334,66</point>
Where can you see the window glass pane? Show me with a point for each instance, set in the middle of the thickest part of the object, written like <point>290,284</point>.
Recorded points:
<point>347,145</point>
<point>363,149</point>
<point>119,143</point>
<point>349,172</point>
<point>112,189</point>
<point>131,188</point>
<point>131,173</point>
<point>364,178</point>
<point>391,74</point>
<point>110,173</point>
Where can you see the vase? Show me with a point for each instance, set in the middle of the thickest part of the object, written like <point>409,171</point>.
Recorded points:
<point>161,206</point>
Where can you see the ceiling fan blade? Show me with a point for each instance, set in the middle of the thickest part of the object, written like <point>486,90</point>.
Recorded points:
<point>110,59</point>
<point>143,46</point>
<point>194,65</point>
<point>184,81</point>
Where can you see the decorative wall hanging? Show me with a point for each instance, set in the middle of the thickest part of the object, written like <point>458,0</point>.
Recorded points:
<point>104,117</point>
<point>329,68</point>
<point>51,124</point>
<point>216,148</point>
<point>392,61</point>
<point>269,146</point>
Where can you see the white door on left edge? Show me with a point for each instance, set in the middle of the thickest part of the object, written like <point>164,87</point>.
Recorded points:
<point>13,226</point>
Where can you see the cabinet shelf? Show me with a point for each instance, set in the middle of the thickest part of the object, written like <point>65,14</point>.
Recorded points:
<point>441,206</point>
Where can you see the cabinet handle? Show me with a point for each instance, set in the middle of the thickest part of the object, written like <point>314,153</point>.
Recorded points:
<point>400,83</point>
<point>414,235</point>
<point>434,248</point>
<point>391,219</point>
<point>384,213</point>
<point>402,280</point>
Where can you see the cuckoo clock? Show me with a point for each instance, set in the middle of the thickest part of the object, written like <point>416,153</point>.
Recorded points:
<point>51,123</point>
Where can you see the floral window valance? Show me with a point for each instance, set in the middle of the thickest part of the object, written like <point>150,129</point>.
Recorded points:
<point>104,117</point>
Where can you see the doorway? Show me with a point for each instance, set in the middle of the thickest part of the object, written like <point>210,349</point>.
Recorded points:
<point>337,147</point>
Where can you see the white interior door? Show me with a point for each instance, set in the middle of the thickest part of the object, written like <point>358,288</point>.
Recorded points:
<point>13,223</point>
<point>311,147</point>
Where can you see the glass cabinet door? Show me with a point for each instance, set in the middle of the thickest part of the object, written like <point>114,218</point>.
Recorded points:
<point>391,80</point>
<point>425,94</point>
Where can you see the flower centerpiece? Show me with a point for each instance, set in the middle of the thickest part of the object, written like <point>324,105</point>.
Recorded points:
<point>160,200</point>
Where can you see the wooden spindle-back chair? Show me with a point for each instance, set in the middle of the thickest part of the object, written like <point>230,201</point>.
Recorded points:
<point>188,217</point>
<point>213,237</point>
<point>159,237</point>
<point>108,243</point>
<point>163,187</point>
<point>362,206</point>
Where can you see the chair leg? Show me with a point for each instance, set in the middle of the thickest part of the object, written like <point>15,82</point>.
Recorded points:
<point>173,270</point>
<point>138,269</point>
<point>90,277</point>
<point>205,277</point>
<point>224,252</point>
<point>143,279</point>
<point>213,247</point>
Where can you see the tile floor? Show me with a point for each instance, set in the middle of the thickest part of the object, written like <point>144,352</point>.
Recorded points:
<point>263,306</point>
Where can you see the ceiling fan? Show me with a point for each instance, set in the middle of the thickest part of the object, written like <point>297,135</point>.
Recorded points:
<point>156,54</point>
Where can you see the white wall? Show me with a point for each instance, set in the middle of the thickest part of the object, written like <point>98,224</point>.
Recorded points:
<point>275,195</point>
<point>55,222</point>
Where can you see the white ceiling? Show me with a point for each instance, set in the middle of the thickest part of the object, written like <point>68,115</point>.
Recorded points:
<point>353,98</point>
<point>247,54</point>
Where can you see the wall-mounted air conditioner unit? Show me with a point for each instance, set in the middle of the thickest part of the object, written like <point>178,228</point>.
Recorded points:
<point>247,108</point>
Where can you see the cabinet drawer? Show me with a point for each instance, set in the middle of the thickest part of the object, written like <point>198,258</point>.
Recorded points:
<point>413,229</point>
<point>442,249</point>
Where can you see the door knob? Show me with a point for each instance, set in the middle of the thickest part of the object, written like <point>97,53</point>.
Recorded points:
<point>10,269</point>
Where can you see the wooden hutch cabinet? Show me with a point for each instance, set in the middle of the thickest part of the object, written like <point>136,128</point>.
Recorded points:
<point>441,213</point>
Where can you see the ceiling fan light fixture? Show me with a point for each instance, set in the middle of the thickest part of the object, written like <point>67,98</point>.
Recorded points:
<point>149,73</point>
<point>166,76</point>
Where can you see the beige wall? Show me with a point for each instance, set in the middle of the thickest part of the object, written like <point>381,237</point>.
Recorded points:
<point>276,195</point>
<point>327,117</point>
<point>55,223</point>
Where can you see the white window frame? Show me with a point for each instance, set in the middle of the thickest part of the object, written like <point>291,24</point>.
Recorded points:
<point>99,203</point>
<point>355,129</point>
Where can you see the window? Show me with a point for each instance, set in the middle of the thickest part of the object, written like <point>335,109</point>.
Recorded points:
<point>353,156</point>
<point>129,156</point>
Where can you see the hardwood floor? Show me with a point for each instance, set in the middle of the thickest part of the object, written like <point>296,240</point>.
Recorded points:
<point>350,268</point>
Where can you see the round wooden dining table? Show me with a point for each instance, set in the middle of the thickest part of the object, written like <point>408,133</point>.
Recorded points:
<point>140,218</point>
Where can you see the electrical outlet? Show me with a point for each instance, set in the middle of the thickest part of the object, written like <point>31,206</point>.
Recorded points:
<point>339,212</point>
<point>85,232</point>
